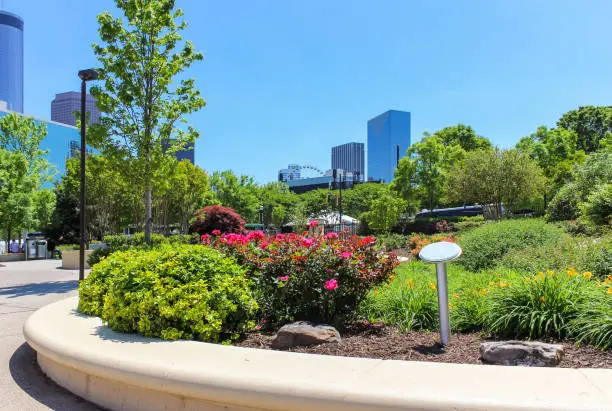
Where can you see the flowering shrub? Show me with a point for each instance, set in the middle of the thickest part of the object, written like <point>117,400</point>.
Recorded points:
<point>417,242</point>
<point>219,219</point>
<point>320,279</point>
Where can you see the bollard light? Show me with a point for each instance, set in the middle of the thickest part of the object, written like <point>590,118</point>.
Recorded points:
<point>439,254</point>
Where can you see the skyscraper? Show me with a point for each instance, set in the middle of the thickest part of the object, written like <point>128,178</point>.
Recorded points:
<point>388,140</point>
<point>292,172</point>
<point>11,61</point>
<point>349,157</point>
<point>65,104</point>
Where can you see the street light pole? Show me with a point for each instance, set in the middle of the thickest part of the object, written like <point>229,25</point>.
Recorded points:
<point>85,76</point>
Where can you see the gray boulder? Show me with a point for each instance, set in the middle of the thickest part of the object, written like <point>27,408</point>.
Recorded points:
<point>304,333</point>
<point>525,353</point>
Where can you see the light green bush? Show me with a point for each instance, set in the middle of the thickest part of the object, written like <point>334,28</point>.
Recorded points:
<point>484,247</point>
<point>598,207</point>
<point>594,324</point>
<point>173,292</point>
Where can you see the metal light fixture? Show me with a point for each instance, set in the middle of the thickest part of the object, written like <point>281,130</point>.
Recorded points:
<point>439,254</point>
<point>85,76</point>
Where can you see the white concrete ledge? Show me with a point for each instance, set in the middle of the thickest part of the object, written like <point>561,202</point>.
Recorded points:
<point>128,372</point>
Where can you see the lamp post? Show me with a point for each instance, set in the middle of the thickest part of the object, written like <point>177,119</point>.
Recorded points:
<point>85,76</point>
<point>261,210</point>
<point>439,254</point>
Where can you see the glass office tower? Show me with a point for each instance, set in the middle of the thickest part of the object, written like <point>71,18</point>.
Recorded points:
<point>65,104</point>
<point>349,157</point>
<point>388,141</point>
<point>11,61</point>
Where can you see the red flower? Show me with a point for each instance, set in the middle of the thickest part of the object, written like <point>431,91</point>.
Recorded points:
<point>331,284</point>
<point>216,232</point>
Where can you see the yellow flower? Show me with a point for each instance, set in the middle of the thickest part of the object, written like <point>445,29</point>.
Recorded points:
<point>491,283</point>
<point>572,272</point>
<point>550,273</point>
<point>410,283</point>
<point>450,305</point>
<point>527,278</point>
<point>543,299</point>
<point>609,291</point>
<point>375,292</point>
<point>503,284</point>
<point>483,292</point>
<point>609,277</point>
<point>432,286</point>
<point>540,273</point>
<point>588,274</point>
<point>456,296</point>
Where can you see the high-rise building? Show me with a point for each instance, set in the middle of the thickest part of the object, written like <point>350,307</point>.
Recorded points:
<point>65,104</point>
<point>292,172</point>
<point>11,61</point>
<point>349,157</point>
<point>388,141</point>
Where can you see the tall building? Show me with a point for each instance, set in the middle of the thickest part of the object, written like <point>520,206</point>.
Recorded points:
<point>292,172</point>
<point>349,157</point>
<point>388,141</point>
<point>65,104</point>
<point>11,61</point>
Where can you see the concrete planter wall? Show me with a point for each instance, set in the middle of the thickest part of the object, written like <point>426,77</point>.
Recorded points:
<point>129,372</point>
<point>70,259</point>
<point>5,258</point>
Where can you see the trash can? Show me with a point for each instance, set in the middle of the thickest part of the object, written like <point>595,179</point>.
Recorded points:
<point>31,248</point>
<point>41,248</point>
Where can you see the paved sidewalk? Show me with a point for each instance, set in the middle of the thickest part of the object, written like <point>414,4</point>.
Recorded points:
<point>24,287</point>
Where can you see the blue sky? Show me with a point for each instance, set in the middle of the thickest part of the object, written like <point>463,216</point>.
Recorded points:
<point>286,80</point>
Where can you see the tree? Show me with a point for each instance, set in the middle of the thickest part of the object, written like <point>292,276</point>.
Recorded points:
<point>384,213</point>
<point>279,213</point>
<point>358,200</point>
<point>240,193</point>
<point>423,172</point>
<point>22,134</point>
<point>495,177</point>
<point>592,125</point>
<point>556,152</point>
<point>212,218</point>
<point>463,136</point>
<point>143,99</point>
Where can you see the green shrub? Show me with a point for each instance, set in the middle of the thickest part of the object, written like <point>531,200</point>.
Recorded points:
<point>596,256</point>
<point>538,306</point>
<point>173,292</point>
<point>68,247</point>
<point>412,306</point>
<point>466,223</point>
<point>594,324</point>
<point>484,247</point>
<point>598,207</point>
<point>564,205</point>
<point>394,241</point>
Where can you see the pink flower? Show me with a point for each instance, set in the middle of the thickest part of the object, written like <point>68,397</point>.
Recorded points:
<point>204,238</point>
<point>263,245</point>
<point>313,224</point>
<point>331,284</point>
<point>283,278</point>
<point>280,236</point>
<point>308,242</point>
<point>216,232</point>
<point>346,254</point>
<point>258,327</point>
<point>331,235</point>
<point>329,271</point>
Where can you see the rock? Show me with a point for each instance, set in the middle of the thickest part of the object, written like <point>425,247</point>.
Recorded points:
<point>304,333</point>
<point>525,353</point>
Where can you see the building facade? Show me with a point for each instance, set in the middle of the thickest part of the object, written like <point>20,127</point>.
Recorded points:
<point>349,157</point>
<point>11,61</point>
<point>292,172</point>
<point>388,141</point>
<point>65,104</point>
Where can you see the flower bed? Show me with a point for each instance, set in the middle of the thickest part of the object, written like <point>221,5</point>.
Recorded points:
<point>315,278</point>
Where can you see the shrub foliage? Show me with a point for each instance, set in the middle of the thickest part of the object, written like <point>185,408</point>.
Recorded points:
<point>217,218</point>
<point>180,292</point>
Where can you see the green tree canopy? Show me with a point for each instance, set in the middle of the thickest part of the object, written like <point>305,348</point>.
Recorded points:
<point>143,99</point>
<point>463,136</point>
<point>495,177</point>
<point>592,125</point>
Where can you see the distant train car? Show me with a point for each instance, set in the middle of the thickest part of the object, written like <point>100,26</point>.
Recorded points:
<point>466,211</point>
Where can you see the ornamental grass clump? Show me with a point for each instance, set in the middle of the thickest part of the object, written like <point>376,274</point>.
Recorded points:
<point>594,324</point>
<point>539,306</point>
<point>320,278</point>
<point>172,292</point>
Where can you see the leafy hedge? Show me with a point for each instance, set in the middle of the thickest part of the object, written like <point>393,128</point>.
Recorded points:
<point>178,292</point>
<point>485,246</point>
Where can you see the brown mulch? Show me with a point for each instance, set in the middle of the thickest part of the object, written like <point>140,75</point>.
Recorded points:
<point>384,342</point>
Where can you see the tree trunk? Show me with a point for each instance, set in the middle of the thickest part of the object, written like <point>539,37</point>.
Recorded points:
<point>148,215</point>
